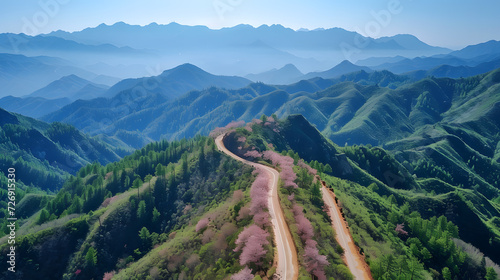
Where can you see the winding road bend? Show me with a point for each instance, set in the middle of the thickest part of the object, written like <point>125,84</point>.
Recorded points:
<point>287,264</point>
<point>355,262</point>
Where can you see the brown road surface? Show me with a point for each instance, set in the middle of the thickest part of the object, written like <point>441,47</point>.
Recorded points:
<point>287,263</point>
<point>355,262</point>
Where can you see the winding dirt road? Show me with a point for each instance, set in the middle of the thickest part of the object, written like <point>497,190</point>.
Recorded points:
<point>355,262</point>
<point>287,266</point>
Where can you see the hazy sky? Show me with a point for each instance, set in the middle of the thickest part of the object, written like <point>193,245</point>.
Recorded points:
<point>447,23</point>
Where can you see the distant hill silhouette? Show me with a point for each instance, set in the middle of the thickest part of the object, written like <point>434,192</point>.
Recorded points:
<point>71,87</point>
<point>286,75</point>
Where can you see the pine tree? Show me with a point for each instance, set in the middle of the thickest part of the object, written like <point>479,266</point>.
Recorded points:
<point>91,257</point>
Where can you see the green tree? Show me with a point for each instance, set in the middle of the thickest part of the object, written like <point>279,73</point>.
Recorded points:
<point>148,179</point>
<point>491,274</point>
<point>44,216</point>
<point>415,269</point>
<point>137,184</point>
<point>91,257</point>
<point>141,210</point>
<point>156,215</point>
<point>446,273</point>
<point>145,237</point>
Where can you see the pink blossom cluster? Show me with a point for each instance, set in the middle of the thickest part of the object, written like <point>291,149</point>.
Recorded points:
<point>286,164</point>
<point>248,127</point>
<point>242,139</point>
<point>311,170</point>
<point>315,262</point>
<point>256,121</point>
<point>244,274</point>
<point>108,201</point>
<point>203,223</point>
<point>220,130</point>
<point>400,229</point>
<point>304,227</point>
<point>253,153</point>
<point>259,195</point>
<point>108,275</point>
<point>251,242</point>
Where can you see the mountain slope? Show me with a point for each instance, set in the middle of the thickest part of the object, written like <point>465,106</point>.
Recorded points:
<point>288,74</point>
<point>71,87</point>
<point>16,69</point>
<point>34,107</point>
<point>182,204</point>
<point>46,154</point>
<point>342,68</point>
<point>174,82</point>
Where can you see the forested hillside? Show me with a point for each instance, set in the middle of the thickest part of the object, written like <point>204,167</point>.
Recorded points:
<point>182,209</point>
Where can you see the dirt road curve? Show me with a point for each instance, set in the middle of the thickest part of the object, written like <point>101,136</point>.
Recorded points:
<point>287,263</point>
<point>355,262</point>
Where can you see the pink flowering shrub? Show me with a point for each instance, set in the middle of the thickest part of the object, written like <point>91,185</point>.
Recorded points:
<point>259,192</point>
<point>311,170</point>
<point>108,275</point>
<point>286,164</point>
<point>304,227</point>
<point>253,153</point>
<point>248,127</point>
<point>242,139</point>
<point>244,274</point>
<point>400,229</point>
<point>108,201</point>
<point>315,262</point>
<point>220,130</point>
<point>203,223</point>
<point>251,242</point>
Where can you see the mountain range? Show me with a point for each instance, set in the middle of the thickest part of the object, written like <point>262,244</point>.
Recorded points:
<point>131,171</point>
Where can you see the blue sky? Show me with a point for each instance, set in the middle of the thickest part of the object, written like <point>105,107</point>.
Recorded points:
<point>448,23</point>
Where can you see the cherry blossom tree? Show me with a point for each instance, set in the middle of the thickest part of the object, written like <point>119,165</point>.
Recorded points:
<point>253,153</point>
<point>400,229</point>
<point>251,242</point>
<point>315,262</point>
<point>244,274</point>
<point>203,223</point>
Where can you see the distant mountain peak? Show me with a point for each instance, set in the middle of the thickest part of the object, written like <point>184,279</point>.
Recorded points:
<point>184,67</point>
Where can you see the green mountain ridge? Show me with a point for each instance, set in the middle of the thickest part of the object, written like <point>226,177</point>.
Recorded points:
<point>46,154</point>
<point>154,199</point>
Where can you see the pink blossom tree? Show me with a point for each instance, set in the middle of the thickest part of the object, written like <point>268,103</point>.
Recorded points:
<point>315,263</point>
<point>253,153</point>
<point>251,242</point>
<point>203,223</point>
<point>286,164</point>
<point>252,230</point>
<point>108,275</point>
<point>244,274</point>
<point>304,227</point>
<point>400,229</point>
<point>311,170</point>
